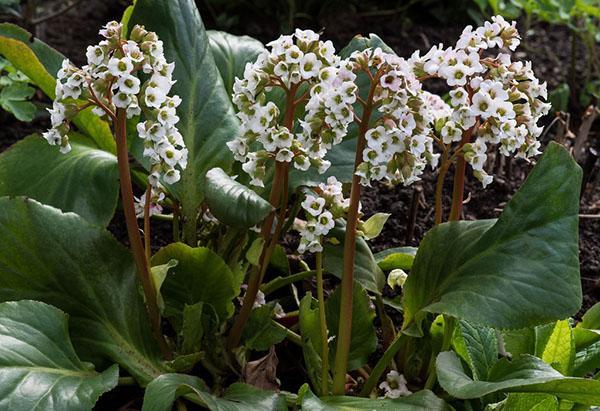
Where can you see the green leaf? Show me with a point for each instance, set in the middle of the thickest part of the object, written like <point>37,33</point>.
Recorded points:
<point>364,338</point>
<point>164,390</point>
<point>524,374</point>
<point>517,272</point>
<point>39,368</point>
<point>200,276</point>
<point>591,319</point>
<point>420,401</point>
<point>360,42</point>
<point>373,226</point>
<point>231,53</point>
<point>207,119</point>
<point>40,63</point>
<point>159,274</point>
<point>518,342</point>
<point>233,203</point>
<point>261,331</point>
<point>587,360</point>
<point>85,180</point>
<point>481,348</point>
<point>13,99</point>
<point>255,250</point>
<point>396,258</point>
<point>310,332</point>
<point>192,329</point>
<point>63,260</point>
<point>559,350</point>
<point>366,271</point>
<point>530,402</point>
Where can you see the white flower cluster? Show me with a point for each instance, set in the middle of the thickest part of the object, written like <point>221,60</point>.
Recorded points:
<point>493,99</point>
<point>394,385</point>
<point>321,211</point>
<point>399,145</point>
<point>109,82</point>
<point>156,198</point>
<point>302,63</point>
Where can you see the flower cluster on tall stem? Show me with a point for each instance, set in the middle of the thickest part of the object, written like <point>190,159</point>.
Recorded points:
<point>493,101</point>
<point>111,83</point>
<point>309,73</point>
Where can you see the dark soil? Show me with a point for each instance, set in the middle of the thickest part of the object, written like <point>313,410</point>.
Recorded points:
<point>548,47</point>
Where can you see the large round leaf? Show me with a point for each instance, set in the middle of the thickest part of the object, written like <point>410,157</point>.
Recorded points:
<point>231,54</point>
<point>162,392</point>
<point>39,369</point>
<point>199,276</point>
<point>524,374</point>
<point>207,119</point>
<point>65,261</point>
<point>233,203</point>
<point>85,180</point>
<point>520,271</point>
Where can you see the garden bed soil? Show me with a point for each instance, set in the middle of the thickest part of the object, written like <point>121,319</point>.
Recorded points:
<point>548,49</point>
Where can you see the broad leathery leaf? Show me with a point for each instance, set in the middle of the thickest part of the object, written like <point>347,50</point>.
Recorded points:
<point>524,374</point>
<point>520,271</point>
<point>364,338</point>
<point>63,260</point>
<point>233,203</point>
<point>192,329</point>
<point>396,258</point>
<point>559,350</point>
<point>530,402</point>
<point>200,276</point>
<point>207,120</point>
<point>366,271</point>
<point>231,53</point>
<point>480,348</point>
<point>517,342</point>
<point>261,331</point>
<point>420,401</point>
<point>85,180</point>
<point>41,63</point>
<point>39,368</point>
<point>164,390</point>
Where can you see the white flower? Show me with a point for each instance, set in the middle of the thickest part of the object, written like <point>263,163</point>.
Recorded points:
<point>95,55</point>
<point>120,66</point>
<point>309,66</point>
<point>313,205</point>
<point>129,84</point>
<point>394,385</point>
<point>154,97</point>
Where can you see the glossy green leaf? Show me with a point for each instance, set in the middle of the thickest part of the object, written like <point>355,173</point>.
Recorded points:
<point>164,390</point>
<point>524,374</point>
<point>233,203</point>
<point>261,331</point>
<point>517,342</point>
<point>591,318</point>
<point>396,258</point>
<point>364,338</point>
<point>85,180</point>
<point>366,271</point>
<point>63,260</point>
<point>520,271</point>
<point>40,63</point>
<point>192,329</point>
<point>13,98</point>
<point>200,276</point>
<point>480,347</point>
<point>231,54</point>
<point>39,368</point>
<point>420,401</point>
<point>207,119</point>
<point>587,360</point>
<point>530,402</point>
<point>559,350</point>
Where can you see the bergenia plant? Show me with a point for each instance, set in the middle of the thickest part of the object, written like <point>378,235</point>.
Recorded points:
<point>478,316</point>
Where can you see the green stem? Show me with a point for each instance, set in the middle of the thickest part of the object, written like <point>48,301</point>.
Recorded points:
<point>289,334</point>
<point>135,240</point>
<point>280,282</point>
<point>382,364</point>
<point>127,381</point>
<point>323,324</point>
<point>448,331</point>
<point>345,328</point>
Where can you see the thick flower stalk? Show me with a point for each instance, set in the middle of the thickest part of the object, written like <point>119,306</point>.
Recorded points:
<point>394,143</point>
<point>493,101</point>
<point>110,83</point>
<point>309,73</point>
